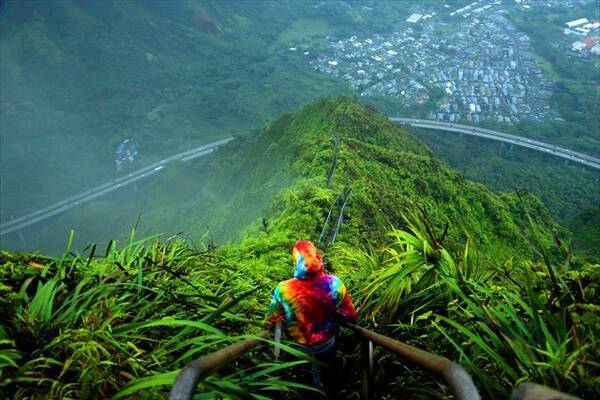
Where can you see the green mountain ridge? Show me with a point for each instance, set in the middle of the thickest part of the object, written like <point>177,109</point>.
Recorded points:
<point>386,169</point>
<point>428,256</point>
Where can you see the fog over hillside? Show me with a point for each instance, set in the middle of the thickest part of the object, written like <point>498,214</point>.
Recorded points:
<point>78,79</point>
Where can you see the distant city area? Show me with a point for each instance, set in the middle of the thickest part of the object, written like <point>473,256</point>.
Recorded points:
<point>471,60</point>
<point>588,31</point>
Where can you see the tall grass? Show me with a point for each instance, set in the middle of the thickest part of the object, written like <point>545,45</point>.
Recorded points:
<point>404,279</point>
<point>506,320</point>
<point>124,324</point>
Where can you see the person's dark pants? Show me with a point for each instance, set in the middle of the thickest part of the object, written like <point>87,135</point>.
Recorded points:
<point>323,366</point>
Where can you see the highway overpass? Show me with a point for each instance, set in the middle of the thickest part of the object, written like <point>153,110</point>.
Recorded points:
<point>547,148</point>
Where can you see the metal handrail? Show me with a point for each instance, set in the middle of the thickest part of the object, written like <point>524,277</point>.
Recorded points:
<point>188,378</point>
<point>456,377</point>
<point>459,381</point>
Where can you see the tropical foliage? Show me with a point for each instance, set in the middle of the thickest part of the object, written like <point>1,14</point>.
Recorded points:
<point>430,258</point>
<point>506,320</point>
<point>124,323</point>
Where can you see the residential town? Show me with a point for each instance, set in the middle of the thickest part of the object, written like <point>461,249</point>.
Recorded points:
<point>588,31</point>
<point>483,68</point>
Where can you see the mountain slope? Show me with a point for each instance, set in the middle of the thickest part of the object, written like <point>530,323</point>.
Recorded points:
<point>152,307</point>
<point>388,173</point>
<point>77,77</point>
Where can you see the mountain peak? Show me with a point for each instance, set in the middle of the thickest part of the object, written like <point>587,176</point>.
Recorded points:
<point>293,170</point>
<point>343,117</point>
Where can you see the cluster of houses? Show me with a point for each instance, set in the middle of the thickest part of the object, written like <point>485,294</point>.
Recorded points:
<point>589,31</point>
<point>481,68</point>
<point>475,8</point>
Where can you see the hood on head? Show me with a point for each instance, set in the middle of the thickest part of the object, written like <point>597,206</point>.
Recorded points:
<point>307,260</point>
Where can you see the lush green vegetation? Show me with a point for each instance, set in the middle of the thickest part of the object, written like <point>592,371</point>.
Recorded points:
<point>430,257</point>
<point>110,326</point>
<point>565,188</point>
<point>586,231</point>
<point>466,273</point>
<point>154,71</point>
<point>507,320</point>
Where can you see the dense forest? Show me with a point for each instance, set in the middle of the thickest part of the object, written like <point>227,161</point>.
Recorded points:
<point>430,258</point>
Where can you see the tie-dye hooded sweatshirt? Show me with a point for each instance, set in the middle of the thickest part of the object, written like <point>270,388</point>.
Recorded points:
<point>312,304</point>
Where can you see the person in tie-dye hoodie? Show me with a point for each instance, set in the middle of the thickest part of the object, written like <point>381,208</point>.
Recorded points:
<point>312,304</point>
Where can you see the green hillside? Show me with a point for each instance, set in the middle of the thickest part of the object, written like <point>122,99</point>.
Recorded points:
<point>271,172</point>
<point>564,188</point>
<point>174,76</point>
<point>586,231</point>
<point>387,170</point>
<point>428,256</point>
<point>169,75</point>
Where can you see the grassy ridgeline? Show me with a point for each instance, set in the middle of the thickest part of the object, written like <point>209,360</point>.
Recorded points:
<point>132,317</point>
<point>266,173</point>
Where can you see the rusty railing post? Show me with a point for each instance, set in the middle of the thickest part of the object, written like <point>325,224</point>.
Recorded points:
<point>366,373</point>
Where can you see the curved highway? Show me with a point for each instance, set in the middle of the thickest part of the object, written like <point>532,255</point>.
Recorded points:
<point>503,137</point>
<point>47,212</point>
<point>153,168</point>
